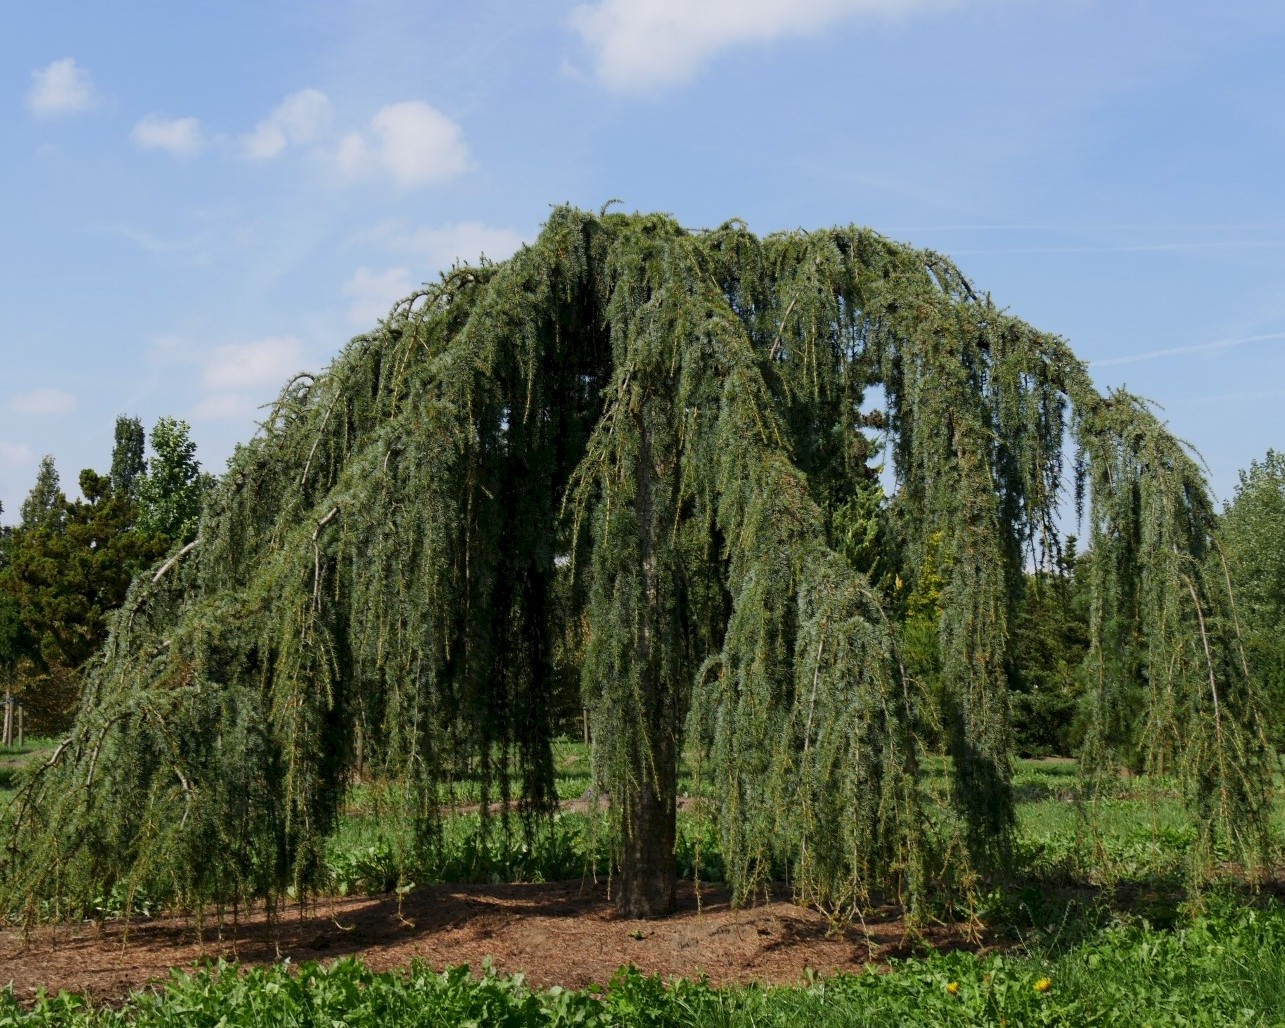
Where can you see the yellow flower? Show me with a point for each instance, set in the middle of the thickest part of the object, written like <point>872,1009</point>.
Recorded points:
<point>1043,985</point>
<point>952,987</point>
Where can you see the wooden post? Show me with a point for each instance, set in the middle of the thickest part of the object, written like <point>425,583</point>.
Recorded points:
<point>20,708</point>
<point>585,718</point>
<point>8,719</point>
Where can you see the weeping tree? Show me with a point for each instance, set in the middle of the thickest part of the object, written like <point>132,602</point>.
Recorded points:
<point>654,439</point>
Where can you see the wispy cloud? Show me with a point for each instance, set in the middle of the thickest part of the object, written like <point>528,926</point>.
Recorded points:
<point>371,294</point>
<point>300,119</point>
<point>226,407</point>
<point>1243,244</point>
<point>63,87</point>
<point>1178,351</point>
<point>438,247</point>
<point>1215,399</point>
<point>464,241</point>
<point>1087,228</point>
<point>253,365</point>
<point>638,45</point>
<point>43,402</point>
<point>178,136</point>
<point>15,453</point>
<point>238,377</point>
<point>413,142</point>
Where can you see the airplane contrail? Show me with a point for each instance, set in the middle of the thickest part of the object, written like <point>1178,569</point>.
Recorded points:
<point>1177,351</point>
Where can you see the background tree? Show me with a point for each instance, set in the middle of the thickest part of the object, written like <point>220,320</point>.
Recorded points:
<point>63,585</point>
<point>680,412</point>
<point>10,639</point>
<point>42,510</point>
<point>69,564</point>
<point>10,622</point>
<point>1051,641</point>
<point>1253,534</point>
<point>6,544</point>
<point>128,462</point>
<point>170,494</point>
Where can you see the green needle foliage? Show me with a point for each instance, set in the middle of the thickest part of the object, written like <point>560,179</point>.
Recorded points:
<point>654,435</point>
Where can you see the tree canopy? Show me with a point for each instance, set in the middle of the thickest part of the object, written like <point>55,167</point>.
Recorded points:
<point>655,437</point>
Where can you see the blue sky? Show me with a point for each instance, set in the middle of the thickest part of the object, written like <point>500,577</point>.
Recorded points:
<point>203,198</point>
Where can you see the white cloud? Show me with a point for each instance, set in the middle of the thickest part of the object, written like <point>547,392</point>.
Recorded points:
<point>264,363</point>
<point>226,407</point>
<point>413,142</point>
<point>15,453</point>
<point>301,118</point>
<point>642,44</point>
<point>371,294</point>
<point>61,88</point>
<point>43,402</point>
<point>354,156</point>
<point>438,247</point>
<point>464,241</point>
<point>178,136</point>
<point>240,377</point>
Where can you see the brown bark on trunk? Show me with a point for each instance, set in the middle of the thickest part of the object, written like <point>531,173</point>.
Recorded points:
<point>648,868</point>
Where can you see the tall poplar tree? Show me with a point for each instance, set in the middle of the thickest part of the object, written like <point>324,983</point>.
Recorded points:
<point>128,462</point>
<point>680,415</point>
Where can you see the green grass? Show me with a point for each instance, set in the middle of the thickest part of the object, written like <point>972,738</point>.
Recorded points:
<point>372,855</point>
<point>13,758</point>
<point>1141,835</point>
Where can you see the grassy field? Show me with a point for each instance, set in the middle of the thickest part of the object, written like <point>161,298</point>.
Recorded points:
<point>1142,834</point>
<point>13,758</point>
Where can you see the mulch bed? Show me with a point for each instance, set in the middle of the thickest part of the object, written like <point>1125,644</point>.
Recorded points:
<point>561,933</point>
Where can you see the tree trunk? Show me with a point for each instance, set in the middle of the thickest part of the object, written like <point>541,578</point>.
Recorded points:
<point>648,869</point>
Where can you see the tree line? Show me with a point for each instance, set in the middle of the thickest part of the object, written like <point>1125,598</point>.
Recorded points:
<point>68,563</point>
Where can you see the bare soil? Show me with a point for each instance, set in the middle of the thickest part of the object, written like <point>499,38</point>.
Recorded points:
<point>562,933</point>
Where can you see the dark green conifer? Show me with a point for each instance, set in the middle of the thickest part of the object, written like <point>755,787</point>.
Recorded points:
<point>43,507</point>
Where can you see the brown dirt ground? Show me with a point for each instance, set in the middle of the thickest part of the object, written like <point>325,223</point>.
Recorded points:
<point>562,933</point>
